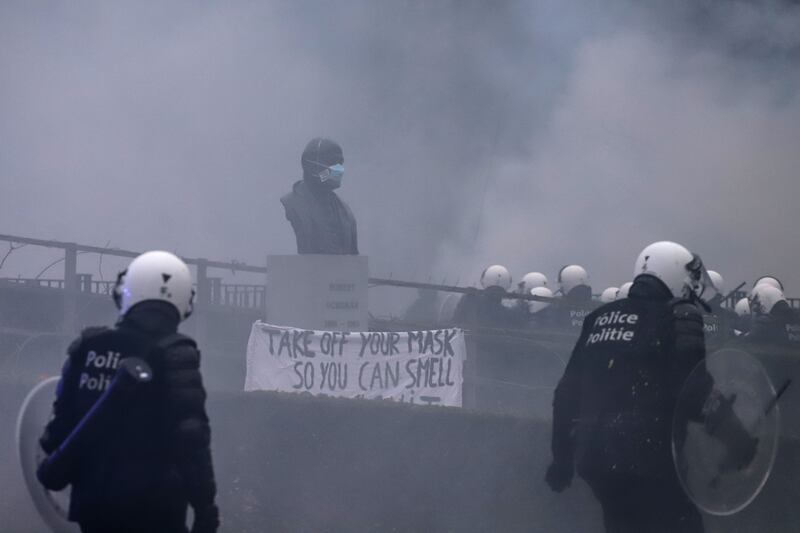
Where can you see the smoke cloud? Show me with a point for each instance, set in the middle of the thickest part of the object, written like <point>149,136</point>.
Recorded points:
<point>527,134</point>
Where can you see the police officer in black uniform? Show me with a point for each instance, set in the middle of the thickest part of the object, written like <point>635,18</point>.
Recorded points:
<point>613,408</point>
<point>774,339</point>
<point>484,308</point>
<point>576,301</point>
<point>153,459</point>
<point>742,322</point>
<point>540,313</point>
<point>774,321</point>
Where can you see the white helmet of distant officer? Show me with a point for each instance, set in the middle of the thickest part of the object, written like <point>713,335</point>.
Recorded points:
<point>155,276</point>
<point>534,306</point>
<point>622,293</point>
<point>717,280</point>
<point>530,281</point>
<point>742,308</point>
<point>496,276</point>
<point>719,287</point>
<point>572,276</point>
<point>679,269</point>
<point>769,280</point>
<point>609,295</point>
<point>763,298</point>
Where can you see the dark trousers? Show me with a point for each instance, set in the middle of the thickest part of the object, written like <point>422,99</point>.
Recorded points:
<point>145,521</point>
<point>636,505</point>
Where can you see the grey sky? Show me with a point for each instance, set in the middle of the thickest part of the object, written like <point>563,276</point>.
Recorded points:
<point>593,128</point>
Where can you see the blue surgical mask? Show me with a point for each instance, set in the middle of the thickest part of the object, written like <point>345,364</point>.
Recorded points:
<point>332,176</point>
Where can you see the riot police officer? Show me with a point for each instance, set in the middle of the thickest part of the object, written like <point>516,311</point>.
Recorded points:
<point>769,280</point>
<point>576,301</point>
<point>609,295</point>
<point>573,283</point>
<point>774,321</point>
<point>613,407</point>
<point>743,317</point>
<point>539,311</point>
<point>774,338</point>
<point>529,282</point>
<point>485,308</point>
<point>153,459</point>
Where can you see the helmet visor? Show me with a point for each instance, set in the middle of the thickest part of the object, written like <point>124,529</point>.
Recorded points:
<point>702,283</point>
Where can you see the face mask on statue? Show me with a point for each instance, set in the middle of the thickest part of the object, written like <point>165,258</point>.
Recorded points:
<point>331,177</point>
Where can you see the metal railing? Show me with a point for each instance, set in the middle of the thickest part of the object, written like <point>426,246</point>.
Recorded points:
<point>68,247</point>
<point>74,282</point>
<point>211,290</point>
<point>247,296</point>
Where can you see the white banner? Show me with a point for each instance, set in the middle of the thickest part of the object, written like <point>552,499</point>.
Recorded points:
<point>418,367</point>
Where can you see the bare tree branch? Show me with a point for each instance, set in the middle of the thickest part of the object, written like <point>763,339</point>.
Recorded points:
<point>11,248</point>
<point>100,263</point>
<point>54,263</point>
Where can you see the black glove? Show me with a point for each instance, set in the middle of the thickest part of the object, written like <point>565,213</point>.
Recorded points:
<point>206,519</point>
<point>559,476</point>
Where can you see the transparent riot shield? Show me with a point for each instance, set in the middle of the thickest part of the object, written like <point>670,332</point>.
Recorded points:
<point>725,432</point>
<point>33,415</point>
<point>448,308</point>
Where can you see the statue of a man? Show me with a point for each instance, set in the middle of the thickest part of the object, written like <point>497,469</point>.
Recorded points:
<point>322,222</point>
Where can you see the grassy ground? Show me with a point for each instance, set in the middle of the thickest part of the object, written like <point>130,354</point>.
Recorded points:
<point>289,463</point>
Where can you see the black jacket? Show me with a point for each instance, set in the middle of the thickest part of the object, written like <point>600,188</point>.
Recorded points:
<point>613,408</point>
<point>780,327</point>
<point>156,458</point>
<point>322,222</point>
<point>484,308</point>
<point>569,311</point>
<point>774,340</point>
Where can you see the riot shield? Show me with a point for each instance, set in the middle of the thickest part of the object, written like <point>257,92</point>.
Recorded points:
<point>448,308</point>
<point>33,415</point>
<point>725,432</point>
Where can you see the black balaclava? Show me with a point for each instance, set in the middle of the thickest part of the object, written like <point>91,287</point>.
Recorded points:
<point>319,154</point>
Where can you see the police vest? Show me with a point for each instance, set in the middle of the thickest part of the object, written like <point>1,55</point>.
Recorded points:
<point>96,355</point>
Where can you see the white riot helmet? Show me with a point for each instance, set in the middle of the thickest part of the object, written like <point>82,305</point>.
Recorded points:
<point>609,295</point>
<point>624,290</point>
<point>496,276</point>
<point>159,276</point>
<point>742,307</point>
<point>571,276</point>
<point>717,280</point>
<point>534,306</point>
<point>530,281</point>
<point>680,270</point>
<point>769,280</point>
<point>763,298</point>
